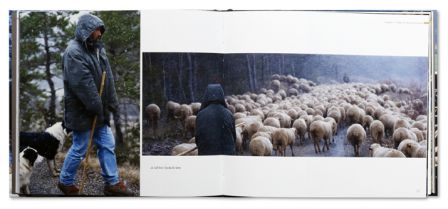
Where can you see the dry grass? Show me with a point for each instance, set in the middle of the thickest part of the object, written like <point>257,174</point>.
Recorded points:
<point>129,173</point>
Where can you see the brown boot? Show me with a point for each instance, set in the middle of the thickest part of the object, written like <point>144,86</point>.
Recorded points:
<point>70,190</point>
<point>118,189</point>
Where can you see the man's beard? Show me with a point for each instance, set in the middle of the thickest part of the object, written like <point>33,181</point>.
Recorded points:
<point>91,43</point>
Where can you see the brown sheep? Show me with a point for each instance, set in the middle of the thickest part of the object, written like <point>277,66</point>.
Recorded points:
<point>334,126</point>
<point>171,108</point>
<point>239,115</point>
<point>354,115</point>
<point>271,121</point>
<point>190,125</point>
<point>258,112</point>
<point>421,152</point>
<point>356,136</point>
<point>409,147</point>
<point>335,114</point>
<point>283,137</point>
<point>285,120</point>
<point>262,133</point>
<point>300,126</point>
<point>239,139</point>
<point>401,134</point>
<point>320,130</point>
<point>195,107</point>
<point>377,151</point>
<point>366,121</point>
<point>401,123</point>
<point>183,112</point>
<point>377,131</point>
<point>419,125</point>
<point>388,122</point>
<point>153,112</point>
<point>240,108</point>
<point>260,146</point>
<point>418,134</point>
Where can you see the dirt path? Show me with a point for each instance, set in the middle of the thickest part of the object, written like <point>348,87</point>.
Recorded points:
<point>43,184</point>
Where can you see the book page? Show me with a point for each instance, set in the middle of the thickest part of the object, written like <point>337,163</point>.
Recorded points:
<point>167,31</point>
<point>336,40</point>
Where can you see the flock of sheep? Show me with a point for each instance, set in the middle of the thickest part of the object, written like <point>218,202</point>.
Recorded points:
<point>294,110</point>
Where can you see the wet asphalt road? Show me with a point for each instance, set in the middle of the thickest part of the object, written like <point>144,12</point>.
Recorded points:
<point>339,148</point>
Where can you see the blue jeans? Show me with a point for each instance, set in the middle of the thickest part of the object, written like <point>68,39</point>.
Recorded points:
<point>105,143</point>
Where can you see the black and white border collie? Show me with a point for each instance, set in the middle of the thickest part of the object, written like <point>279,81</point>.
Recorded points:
<point>47,143</point>
<point>26,162</point>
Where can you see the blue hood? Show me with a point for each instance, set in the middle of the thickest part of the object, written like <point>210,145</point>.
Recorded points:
<point>86,25</point>
<point>214,94</point>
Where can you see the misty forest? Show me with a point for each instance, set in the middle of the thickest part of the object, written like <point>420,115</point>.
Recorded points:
<point>269,93</point>
<point>43,37</point>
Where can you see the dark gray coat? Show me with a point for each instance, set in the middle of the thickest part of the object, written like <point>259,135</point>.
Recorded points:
<point>83,63</point>
<point>215,125</point>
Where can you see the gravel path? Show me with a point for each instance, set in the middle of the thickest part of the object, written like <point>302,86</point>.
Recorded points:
<point>44,184</point>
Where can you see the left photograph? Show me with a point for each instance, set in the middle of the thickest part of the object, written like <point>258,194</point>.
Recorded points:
<point>78,75</point>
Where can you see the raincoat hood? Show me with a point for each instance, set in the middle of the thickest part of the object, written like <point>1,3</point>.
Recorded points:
<point>213,94</point>
<point>87,24</point>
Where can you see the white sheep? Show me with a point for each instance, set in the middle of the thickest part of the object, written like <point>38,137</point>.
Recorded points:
<point>366,121</point>
<point>300,126</point>
<point>271,121</point>
<point>401,134</point>
<point>260,146</point>
<point>283,137</point>
<point>388,122</point>
<point>239,139</point>
<point>195,107</point>
<point>320,130</point>
<point>354,115</point>
<point>153,112</point>
<point>183,112</point>
<point>409,147</point>
<point>378,151</point>
<point>401,123</point>
<point>171,108</point>
<point>190,125</point>
<point>184,147</point>
<point>377,131</point>
<point>356,135</point>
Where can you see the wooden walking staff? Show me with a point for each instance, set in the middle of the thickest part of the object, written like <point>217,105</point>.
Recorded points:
<point>89,147</point>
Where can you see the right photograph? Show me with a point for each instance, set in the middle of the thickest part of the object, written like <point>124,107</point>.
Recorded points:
<point>294,105</point>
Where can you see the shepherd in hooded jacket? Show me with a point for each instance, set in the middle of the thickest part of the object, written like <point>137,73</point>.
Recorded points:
<point>84,61</point>
<point>215,125</point>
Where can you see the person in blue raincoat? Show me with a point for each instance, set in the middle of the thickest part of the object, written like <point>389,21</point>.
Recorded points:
<point>83,63</point>
<point>215,125</point>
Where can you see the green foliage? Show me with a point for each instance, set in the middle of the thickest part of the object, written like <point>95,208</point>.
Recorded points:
<point>43,37</point>
<point>122,43</point>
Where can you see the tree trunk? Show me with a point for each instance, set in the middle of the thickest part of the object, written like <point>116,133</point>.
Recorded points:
<point>165,93</point>
<point>181,87</point>
<point>268,66</point>
<point>283,64</point>
<point>190,77</point>
<point>195,81</point>
<point>51,116</point>
<point>254,69</point>
<point>249,74</point>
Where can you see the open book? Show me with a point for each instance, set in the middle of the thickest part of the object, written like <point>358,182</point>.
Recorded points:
<point>322,103</point>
